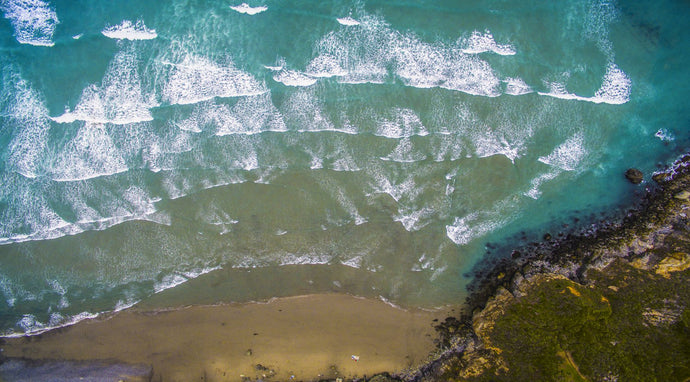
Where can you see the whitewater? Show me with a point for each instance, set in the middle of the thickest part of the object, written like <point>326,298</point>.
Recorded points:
<point>359,147</point>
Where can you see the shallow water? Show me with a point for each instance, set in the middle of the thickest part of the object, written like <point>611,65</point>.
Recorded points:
<point>200,151</point>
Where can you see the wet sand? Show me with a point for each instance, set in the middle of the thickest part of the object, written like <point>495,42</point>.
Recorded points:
<point>308,337</point>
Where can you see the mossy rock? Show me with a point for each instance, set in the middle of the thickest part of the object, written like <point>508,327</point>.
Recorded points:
<point>563,331</point>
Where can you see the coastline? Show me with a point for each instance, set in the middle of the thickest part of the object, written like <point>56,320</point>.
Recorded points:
<point>610,302</point>
<point>309,337</point>
<point>598,270</point>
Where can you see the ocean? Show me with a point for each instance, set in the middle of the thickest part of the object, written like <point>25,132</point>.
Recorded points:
<point>181,152</point>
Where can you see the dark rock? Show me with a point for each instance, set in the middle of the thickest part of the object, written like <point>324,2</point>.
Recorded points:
<point>384,377</point>
<point>660,177</point>
<point>547,237</point>
<point>634,175</point>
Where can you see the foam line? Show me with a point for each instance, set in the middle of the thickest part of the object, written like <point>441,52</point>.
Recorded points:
<point>615,89</point>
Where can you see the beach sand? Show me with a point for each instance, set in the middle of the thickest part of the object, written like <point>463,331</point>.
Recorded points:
<point>308,337</point>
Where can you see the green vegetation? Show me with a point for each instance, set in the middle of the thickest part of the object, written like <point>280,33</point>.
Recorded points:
<point>628,325</point>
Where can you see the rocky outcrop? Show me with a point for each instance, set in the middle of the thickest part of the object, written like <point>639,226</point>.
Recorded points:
<point>634,175</point>
<point>611,303</point>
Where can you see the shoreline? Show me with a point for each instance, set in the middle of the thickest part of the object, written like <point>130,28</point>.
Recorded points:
<point>312,337</point>
<point>335,336</point>
<point>628,273</point>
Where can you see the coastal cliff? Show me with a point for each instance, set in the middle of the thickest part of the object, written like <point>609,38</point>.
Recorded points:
<point>607,304</point>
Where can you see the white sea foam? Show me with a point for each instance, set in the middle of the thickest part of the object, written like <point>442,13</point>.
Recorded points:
<point>218,218</point>
<point>6,286</point>
<point>197,79</point>
<point>273,68</point>
<point>324,66</point>
<point>403,123</point>
<point>316,163</point>
<point>278,66</point>
<point>283,259</point>
<point>516,86</point>
<point>13,291</point>
<point>178,278</point>
<point>568,155</point>
<point>363,73</point>
<point>28,122</point>
<point>34,21</point>
<point>91,153</point>
<point>484,42</point>
<point>122,305</point>
<point>304,110</point>
<point>119,99</point>
<point>490,144</point>
<point>295,259</point>
<point>424,65</point>
<point>469,227</point>
<point>345,202</point>
<point>345,163</point>
<point>404,153</point>
<point>355,262</point>
<point>535,191</point>
<point>293,78</point>
<point>424,263</point>
<point>665,135</point>
<point>414,220</point>
<point>129,31</point>
<point>246,9</point>
<point>476,224</point>
<point>597,18</point>
<point>615,89</point>
<point>31,326</point>
<point>29,215</point>
<point>250,115</point>
<point>397,191</point>
<point>347,21</point>
<point>361,55</point>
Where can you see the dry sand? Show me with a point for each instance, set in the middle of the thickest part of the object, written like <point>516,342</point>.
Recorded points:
<point>308,337</point>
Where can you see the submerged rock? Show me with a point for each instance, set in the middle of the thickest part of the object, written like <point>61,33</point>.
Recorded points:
<point>634,175</point>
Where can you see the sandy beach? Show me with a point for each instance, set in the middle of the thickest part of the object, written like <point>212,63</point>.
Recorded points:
<point>301,338</point>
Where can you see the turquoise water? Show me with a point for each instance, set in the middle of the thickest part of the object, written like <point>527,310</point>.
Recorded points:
<point>179,152</point>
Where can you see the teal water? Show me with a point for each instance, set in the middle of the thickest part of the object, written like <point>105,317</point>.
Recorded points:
<point>179,152</point>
